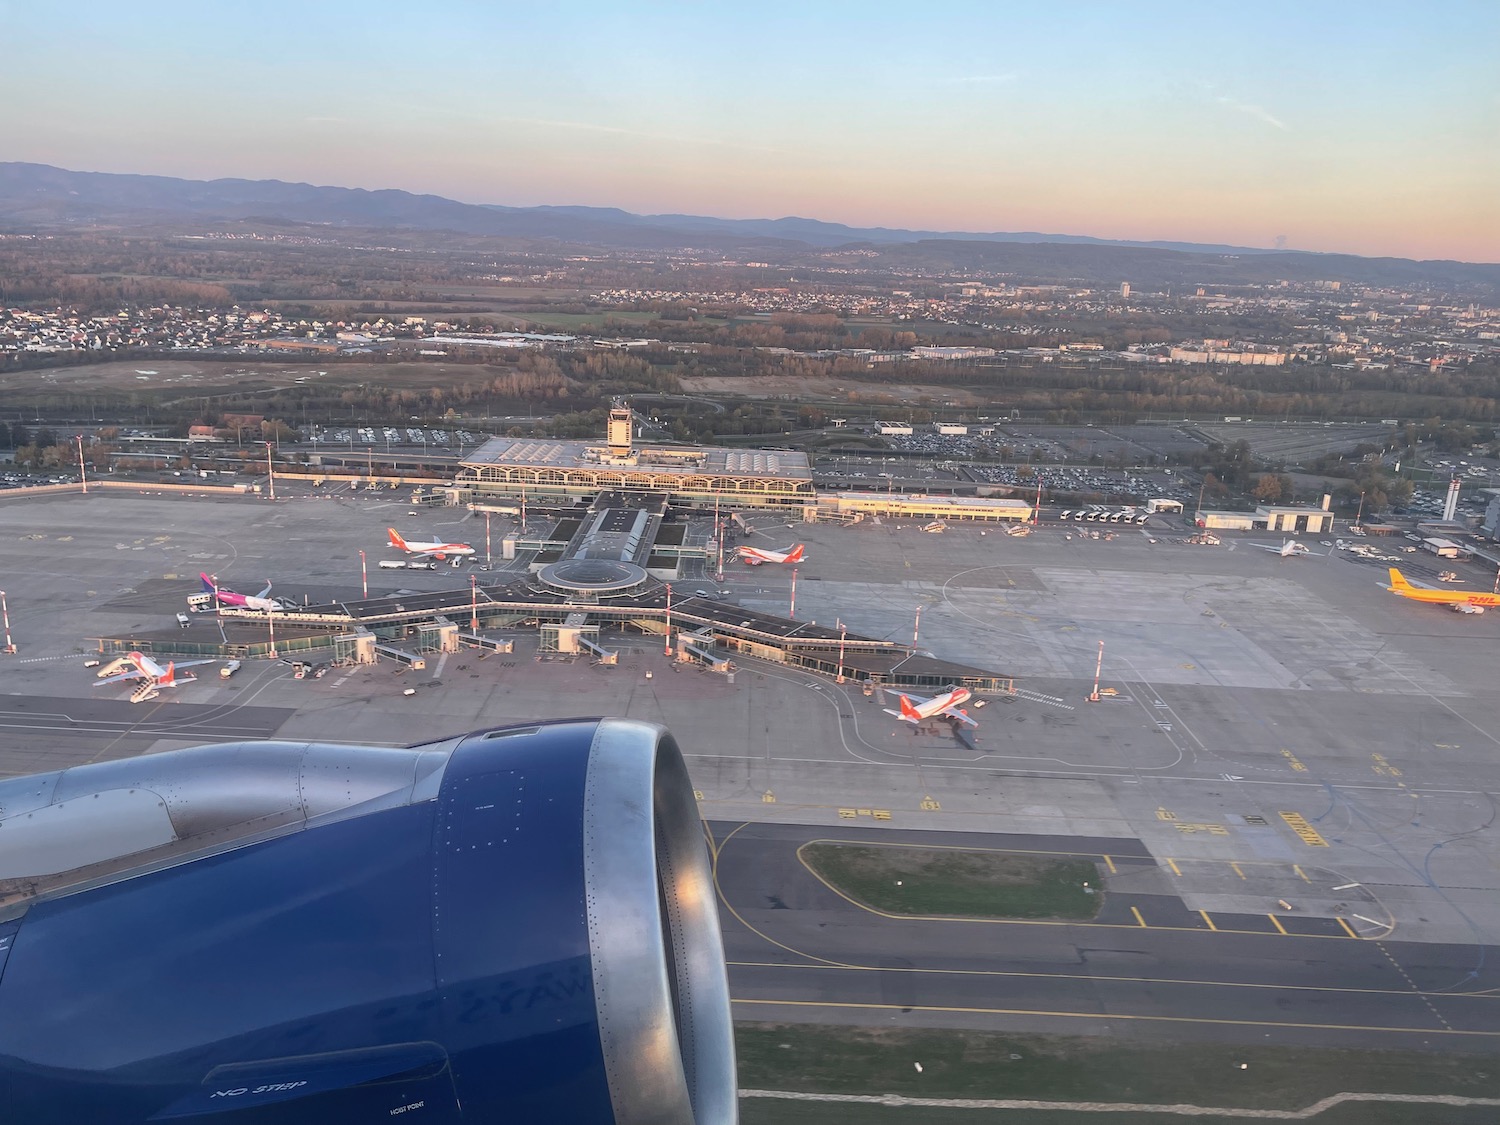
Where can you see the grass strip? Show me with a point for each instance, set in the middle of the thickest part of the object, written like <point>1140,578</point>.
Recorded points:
<point>984,1065</point>
<point>959,883</point>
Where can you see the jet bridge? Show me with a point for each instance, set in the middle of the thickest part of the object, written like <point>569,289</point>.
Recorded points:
<point>415,663</point>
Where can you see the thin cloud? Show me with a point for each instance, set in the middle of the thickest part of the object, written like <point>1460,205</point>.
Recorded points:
<point>614,130</point>
<point>985,79</point>
<point>1254,111</point>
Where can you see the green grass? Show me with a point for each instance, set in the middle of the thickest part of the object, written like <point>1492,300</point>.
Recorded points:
<point>957,883</point>
<point>985,1065</point>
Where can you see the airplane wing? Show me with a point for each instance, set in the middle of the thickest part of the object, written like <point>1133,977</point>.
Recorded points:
<point>955,713</point>
<point>133,674</point>
<point>191,663</point>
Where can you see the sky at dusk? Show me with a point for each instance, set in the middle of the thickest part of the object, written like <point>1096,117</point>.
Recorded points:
<point>1369,128</point>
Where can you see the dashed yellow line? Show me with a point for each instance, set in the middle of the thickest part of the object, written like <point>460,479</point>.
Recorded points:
<point>1209,920</point>
<point>1172,863</point>
<point>1138,919</point>
<point>1110,864</point>
<point>1302,873</point>
<point>1275,921</point>
<point>1348,929</point>
<point>1237,870</point>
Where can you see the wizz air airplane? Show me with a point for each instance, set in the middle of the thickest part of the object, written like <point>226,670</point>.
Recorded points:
<point>428,550</point>
<point>229,597</point>
<point>916,709</point>
<point>754,556</point>
<point>152,676</point>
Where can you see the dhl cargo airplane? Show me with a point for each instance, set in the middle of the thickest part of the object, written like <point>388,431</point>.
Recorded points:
<point>428,550</point>
<point>229,597</point>
<point>1460,601</point>
<point>153,677</point>
<point>916,709</point>
<point>754,556</point>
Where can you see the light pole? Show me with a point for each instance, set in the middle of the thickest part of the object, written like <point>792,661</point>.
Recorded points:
<point>842,633</point>
<point>916,629</point>
<point>271,470</point>
<point>83,476</point>
<point>487,560</point>
<point>667,644</point>
<point>10,646</point>
<point>271,627</point>
<point>364,576</point>
<point>473,603</point>
<point>1098,665</point>
<point>792,609</point>
<point>1358,514</point>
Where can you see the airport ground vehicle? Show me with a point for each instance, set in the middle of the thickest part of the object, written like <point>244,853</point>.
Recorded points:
<point>391,564</point>
<point>229,669</point>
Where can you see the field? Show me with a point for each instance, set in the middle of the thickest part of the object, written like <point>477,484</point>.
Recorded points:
<point>1098,1073</point>
<point>959,883</point>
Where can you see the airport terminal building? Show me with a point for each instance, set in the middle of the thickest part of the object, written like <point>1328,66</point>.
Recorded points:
<point>544,470</point>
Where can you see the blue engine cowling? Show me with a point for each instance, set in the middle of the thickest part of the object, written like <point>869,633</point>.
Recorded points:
<point>516,925</point>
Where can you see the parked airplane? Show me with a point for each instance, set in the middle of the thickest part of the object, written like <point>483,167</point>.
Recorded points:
<point>428,550</point>
<point>1289,549</point>
<point>152,676</point>
<point>248,601</point>
<point>754,556</point>
<point>1460,601</point>
<point>917,709</point>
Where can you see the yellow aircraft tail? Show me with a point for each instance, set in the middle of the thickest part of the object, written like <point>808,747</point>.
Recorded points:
<point>1399,582</point>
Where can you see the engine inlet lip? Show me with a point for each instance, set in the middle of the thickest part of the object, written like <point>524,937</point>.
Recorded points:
<point>660,985</point>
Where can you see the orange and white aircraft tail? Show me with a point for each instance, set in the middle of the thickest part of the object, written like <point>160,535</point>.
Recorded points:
<point>396,540</point>
<point>908,712</point>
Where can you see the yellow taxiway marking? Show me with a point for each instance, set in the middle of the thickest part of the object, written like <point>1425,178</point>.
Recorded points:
<point>1237,870</point>
<point>1302,873</point>
<point>1298,824</point>
<point>1173,865</point>
<point>1138,919</point>
<point>1275,921</point>
<point>1110,864</point>
<point>1209,920</point>
<point>1348,929</point>
<point>1114,1016</point>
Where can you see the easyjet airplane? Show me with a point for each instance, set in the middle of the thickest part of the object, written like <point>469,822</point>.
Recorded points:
<point>428,550</point>
<point>754,556</point>
<point>1460,601</point>
<point>153,677</point>
<point>916,709</point>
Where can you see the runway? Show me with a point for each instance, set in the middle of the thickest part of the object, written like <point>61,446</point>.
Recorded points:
<point>1147,968</point>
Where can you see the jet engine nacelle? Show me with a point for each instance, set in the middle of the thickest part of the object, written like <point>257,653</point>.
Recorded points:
<point>514,925</point>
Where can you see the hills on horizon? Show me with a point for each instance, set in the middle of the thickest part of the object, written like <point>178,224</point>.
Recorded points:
<point>43,197</point>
